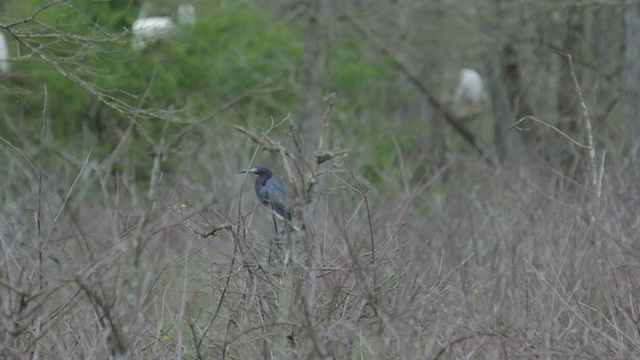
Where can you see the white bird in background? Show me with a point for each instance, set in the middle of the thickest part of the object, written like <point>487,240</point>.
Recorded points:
<point>147,30</point>
<point>4,54</point>
<point>470,98</point>
<point>186,15</point>
<point>470,87</point>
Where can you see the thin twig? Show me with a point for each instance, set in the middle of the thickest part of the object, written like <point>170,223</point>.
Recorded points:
<point>363,192</point>
<point>552,127</point>
<point>587,126</point>
<point>68,195</point>
<point>330,101</point>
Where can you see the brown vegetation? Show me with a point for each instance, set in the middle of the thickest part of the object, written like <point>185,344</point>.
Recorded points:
<point>494,248</point>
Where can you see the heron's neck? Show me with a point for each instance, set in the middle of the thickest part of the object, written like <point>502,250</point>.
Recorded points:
<point>262,180</point>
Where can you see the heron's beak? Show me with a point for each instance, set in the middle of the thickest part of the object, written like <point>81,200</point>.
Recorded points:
<point>243,171</point>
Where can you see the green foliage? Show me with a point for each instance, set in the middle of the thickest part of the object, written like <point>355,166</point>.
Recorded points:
<point>363,85</point>
<point>383,158</point>
<point>361,80</point>
<point>199,69</point>
<point>232,53</point>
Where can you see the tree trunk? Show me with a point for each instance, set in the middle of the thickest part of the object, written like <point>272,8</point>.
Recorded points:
<point>507,140</point>
<point>497,59</point>
<point>516,93</point>
<point>568,104</point>
<point>607,36</point>
<point>313,69</point>
<point>632,75</point>
<point>567,99</point>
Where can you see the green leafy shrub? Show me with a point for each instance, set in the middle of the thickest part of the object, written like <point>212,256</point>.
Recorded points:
<point>198,69</point>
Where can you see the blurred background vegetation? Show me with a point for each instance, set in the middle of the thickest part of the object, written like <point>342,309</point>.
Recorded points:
<point>394,67</point>
<point>249,54</point>
<point>89,123</point>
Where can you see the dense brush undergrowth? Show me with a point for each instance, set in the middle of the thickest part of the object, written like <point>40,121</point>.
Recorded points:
<point>109,209</point>
<point>474,261</point>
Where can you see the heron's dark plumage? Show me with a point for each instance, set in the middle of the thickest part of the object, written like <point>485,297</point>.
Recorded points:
<point>272,191</point>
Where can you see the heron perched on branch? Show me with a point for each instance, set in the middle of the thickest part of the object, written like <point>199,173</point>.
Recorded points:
<point>272,191</point>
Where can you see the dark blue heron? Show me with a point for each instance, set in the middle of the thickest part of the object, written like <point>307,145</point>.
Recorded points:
<point>272,191</point>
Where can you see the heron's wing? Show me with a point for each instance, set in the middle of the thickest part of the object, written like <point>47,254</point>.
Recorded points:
<point>278,195</point>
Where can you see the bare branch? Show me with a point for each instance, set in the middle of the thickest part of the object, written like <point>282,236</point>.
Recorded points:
<point>564,135</point>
